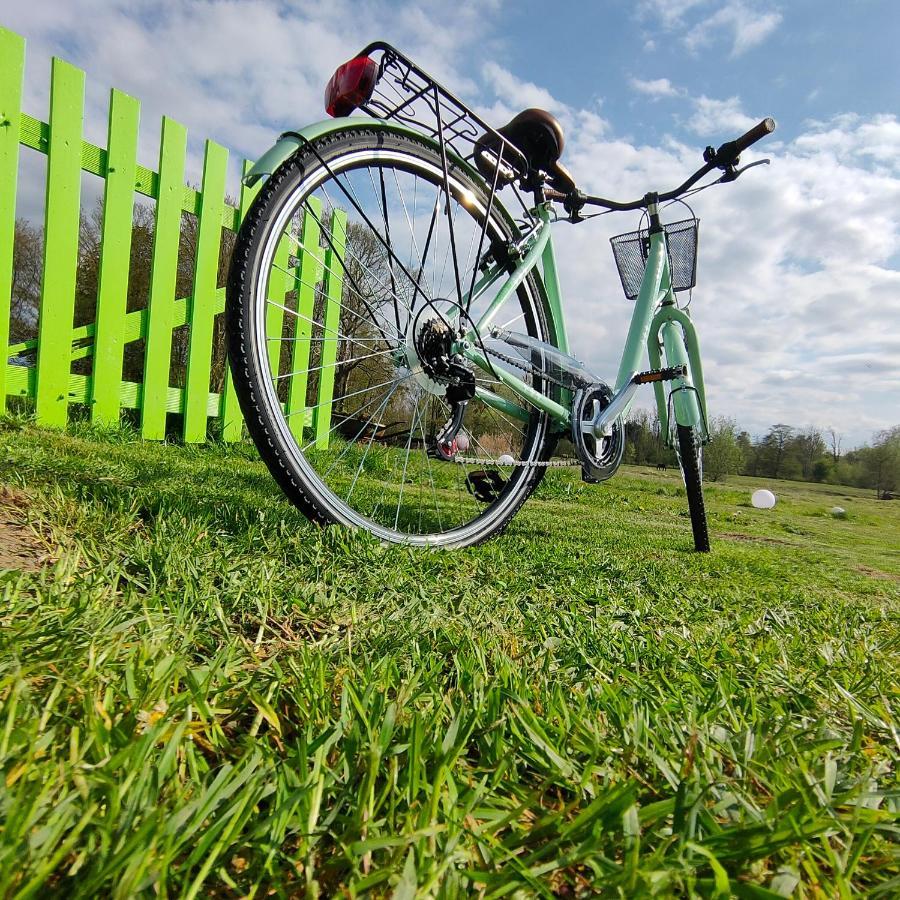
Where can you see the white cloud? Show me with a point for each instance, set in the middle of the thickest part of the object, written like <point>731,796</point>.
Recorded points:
<point>518,94</point>
<point>512,95</point>
<point>700,23</point>
<point>656,88</point>
<point>670,13</point>
<point>712,117</point>
<point>745,26</point>
<point>851,140</point>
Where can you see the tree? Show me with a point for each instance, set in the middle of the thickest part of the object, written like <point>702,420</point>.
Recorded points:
<point>369,287</point>
<point>640,440</point>
<point>28,251</point>
<point>821,470</point>
<point>722,456</point>
<point>774,448</point>
<point>749,455</point>
<point>881,461</point>
<point>834,442</point>
<point>809,446</point>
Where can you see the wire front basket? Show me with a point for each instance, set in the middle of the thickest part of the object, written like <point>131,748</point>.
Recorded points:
<point>406,94</point>
<point>631,250</point>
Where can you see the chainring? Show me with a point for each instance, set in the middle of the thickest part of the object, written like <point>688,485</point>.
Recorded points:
<point>600,457</point>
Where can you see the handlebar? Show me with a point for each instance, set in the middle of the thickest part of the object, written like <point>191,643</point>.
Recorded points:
<point>725,158</point>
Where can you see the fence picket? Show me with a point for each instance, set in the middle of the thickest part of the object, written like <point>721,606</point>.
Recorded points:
<point>163,278</point>
<point>309,273</point>
<point>115,258</point>
<point>61,220</point>
<point>333,285</point>
<point>203,305</point>
<point>232,420</point>
<point>12,70</point>
<point>280,282</point>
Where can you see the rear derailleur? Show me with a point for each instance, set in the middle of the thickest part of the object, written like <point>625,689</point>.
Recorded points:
<point>451,369</point>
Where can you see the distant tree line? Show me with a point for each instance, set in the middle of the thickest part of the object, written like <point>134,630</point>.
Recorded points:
<point>784,451</point>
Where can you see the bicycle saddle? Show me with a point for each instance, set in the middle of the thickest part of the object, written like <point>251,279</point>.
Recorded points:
<point>539,137</point>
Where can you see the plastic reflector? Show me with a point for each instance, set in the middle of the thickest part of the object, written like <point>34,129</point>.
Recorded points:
<point>350,86</point>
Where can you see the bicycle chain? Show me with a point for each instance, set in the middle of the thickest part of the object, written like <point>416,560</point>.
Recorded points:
<point>526,367</point>
<point>546,464</point>
<point>517,463</point>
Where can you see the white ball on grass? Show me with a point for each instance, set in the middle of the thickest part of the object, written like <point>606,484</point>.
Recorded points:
<point>763,499</point>
<point>839,512</point>
<point>506,460</point>
<point>462,441</point>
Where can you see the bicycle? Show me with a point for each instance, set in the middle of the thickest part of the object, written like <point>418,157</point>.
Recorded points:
<point>396,334</point>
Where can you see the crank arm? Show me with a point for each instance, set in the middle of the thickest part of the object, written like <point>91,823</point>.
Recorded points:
<point>602,425</point>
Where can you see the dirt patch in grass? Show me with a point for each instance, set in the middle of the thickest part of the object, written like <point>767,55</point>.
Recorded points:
<point>877,573</point>
<point>19,549</point>
<point>754,539</point>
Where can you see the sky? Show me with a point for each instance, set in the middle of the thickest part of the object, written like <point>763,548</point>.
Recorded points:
<point>798,293</point>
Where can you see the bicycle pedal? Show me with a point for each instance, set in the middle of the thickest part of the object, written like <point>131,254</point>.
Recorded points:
<point>486,485</point>
<point>668,374</point>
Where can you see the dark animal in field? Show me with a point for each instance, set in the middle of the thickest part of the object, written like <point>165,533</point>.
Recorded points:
<point>661,467</point>
<point>890,495</point>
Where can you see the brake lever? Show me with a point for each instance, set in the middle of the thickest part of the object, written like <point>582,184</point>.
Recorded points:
<point>732,174</point>
<point>573,205</point>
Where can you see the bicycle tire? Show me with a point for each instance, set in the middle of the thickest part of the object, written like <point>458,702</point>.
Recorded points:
<point>689,460</point>
<point>263,414</point>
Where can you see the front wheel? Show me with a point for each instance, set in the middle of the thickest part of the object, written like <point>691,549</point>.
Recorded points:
<point>689,460</point>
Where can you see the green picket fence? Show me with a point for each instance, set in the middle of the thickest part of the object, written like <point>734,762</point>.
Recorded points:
<point>48,380</point>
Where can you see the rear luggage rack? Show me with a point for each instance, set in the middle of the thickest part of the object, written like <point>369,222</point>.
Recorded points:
<point>406,94</point>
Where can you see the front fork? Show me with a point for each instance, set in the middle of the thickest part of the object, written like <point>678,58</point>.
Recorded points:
<point>673,333</point>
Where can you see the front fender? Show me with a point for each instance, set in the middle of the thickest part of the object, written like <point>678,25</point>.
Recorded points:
<point>288,143</point>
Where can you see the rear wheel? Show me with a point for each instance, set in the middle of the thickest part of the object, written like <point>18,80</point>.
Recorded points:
<point>689,460</point>
<point>331,374</point>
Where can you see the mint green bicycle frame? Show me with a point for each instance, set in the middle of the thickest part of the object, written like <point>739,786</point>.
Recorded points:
<point>656,323</point>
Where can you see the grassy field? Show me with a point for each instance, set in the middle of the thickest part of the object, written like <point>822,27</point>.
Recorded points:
<point>202,695</point>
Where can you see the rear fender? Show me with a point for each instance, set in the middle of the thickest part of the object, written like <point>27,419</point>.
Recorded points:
<point>289,142</point>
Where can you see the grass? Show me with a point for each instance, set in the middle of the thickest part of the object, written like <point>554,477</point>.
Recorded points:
<point>203,695</point>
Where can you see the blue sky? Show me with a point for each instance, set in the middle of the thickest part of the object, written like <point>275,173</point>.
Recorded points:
<point>798,297</point>
<point>804,59</point>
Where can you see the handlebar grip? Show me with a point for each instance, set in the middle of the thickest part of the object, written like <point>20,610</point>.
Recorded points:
<point>767,126</point>
<point>728,153</point>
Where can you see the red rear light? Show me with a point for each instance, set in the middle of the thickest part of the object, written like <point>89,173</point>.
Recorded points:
<point>350,86</point>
